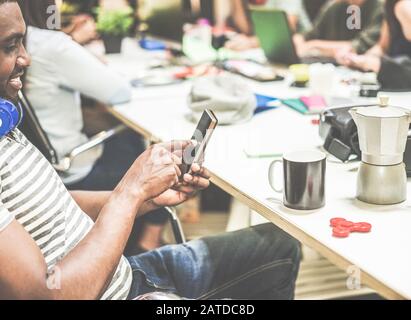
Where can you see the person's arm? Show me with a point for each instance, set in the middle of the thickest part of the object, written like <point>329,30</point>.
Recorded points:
<point>241,17</point>
<point>363,62</point>
<point>82,29</point>
<point>383,45</point>
<point>87,269</point>
<point>242,42</point>
<point>327,48</point>
<point>83,72</point>
<point>92,202</point>
<point>85,272</point>
<point>371,34</point>
<point>293,9</point>
<point>365,40</point>
<point>303,42</point>
<point>222,10</point>
<point>360,44</point>
<point>403,13</point>
<point>293,21</point>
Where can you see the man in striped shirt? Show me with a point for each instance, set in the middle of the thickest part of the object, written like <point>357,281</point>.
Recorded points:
<point>57,245</point>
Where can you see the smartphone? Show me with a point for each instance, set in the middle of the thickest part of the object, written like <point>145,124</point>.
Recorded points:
<point>370,90</point>
<point>205,128</point>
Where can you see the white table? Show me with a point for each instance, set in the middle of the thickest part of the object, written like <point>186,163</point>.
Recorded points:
<point>383,257</point>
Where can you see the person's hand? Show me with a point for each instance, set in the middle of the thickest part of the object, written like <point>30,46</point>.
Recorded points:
<point>299,44</point>
<point>84,30</point>
<point>366,63</point>
<point>155,171</point>
<point>342,56</point>
<point>80,19</point>
<point>242,42</point>
<point>192,182</point>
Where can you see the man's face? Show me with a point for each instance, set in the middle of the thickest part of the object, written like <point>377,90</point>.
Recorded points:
<point>13,56</point>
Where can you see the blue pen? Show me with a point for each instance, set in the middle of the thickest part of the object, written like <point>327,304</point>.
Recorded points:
<point>265,103</point>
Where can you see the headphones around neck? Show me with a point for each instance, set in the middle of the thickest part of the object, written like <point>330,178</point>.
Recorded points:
<point>10,116</point>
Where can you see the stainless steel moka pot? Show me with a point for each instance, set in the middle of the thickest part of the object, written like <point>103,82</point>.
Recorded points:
<point>382,134</point>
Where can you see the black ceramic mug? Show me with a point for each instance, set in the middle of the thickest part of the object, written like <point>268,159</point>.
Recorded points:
<point>304,179</point>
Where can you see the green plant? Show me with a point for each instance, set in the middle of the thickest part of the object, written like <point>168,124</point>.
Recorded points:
<point>114,22</point>
<point>68,8</point>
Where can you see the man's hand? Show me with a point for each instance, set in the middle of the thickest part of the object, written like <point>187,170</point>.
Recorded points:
<point>342,56</point>
<point>299,43</point>
<point>365,63</point>
<point>242,42</point>
<point>192,183</point>
<point>82,29</point>
<point>155,171</point>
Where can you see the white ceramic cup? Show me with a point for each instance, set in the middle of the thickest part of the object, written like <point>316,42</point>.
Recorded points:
<point>323,79</point>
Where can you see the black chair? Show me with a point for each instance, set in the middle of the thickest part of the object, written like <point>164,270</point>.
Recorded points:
<point>32,129</point>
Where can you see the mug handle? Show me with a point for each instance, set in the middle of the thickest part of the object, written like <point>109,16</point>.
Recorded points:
<point>271,176</point>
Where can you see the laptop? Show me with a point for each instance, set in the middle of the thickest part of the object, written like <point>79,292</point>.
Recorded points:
<point>276,38</point>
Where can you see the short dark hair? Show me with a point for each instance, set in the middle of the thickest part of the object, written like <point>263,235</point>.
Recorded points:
<point>35,12</point>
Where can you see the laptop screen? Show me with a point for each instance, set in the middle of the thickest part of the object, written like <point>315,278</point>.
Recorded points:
<point>275,35</point>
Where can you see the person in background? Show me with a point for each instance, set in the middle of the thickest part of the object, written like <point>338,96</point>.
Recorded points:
<point>296,12</point>
<point>60,72</point>
<point>80,24</point>
<point>332,34</point>
<point>391,57</point>
<point>235,14</point>
<point>56,245</point>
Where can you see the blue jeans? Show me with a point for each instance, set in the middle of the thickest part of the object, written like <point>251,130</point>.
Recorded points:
<point>261,262</point>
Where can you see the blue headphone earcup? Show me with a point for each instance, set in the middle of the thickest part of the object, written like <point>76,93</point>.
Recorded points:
<point>9,117</point>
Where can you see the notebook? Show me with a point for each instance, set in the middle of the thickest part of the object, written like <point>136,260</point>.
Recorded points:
<point>314,104</point>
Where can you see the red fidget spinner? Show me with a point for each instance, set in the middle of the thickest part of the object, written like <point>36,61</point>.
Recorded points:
<point>342,227</point>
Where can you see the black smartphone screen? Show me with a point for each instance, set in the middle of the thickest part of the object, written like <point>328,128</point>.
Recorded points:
<point>202,134</point>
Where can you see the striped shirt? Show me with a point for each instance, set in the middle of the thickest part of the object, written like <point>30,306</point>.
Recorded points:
<point>32,193</point>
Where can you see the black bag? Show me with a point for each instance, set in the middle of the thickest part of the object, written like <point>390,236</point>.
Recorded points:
<point>339,133</point>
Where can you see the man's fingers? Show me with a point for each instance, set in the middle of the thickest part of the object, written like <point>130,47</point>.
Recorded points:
<point>197,181</point>
<point>171,173</point>
<point>177,160</point>
<point>179,154</point>
<point>176,145</point>
<point>185,189</point>
<point>177,171</point>
<point>196,169</point>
